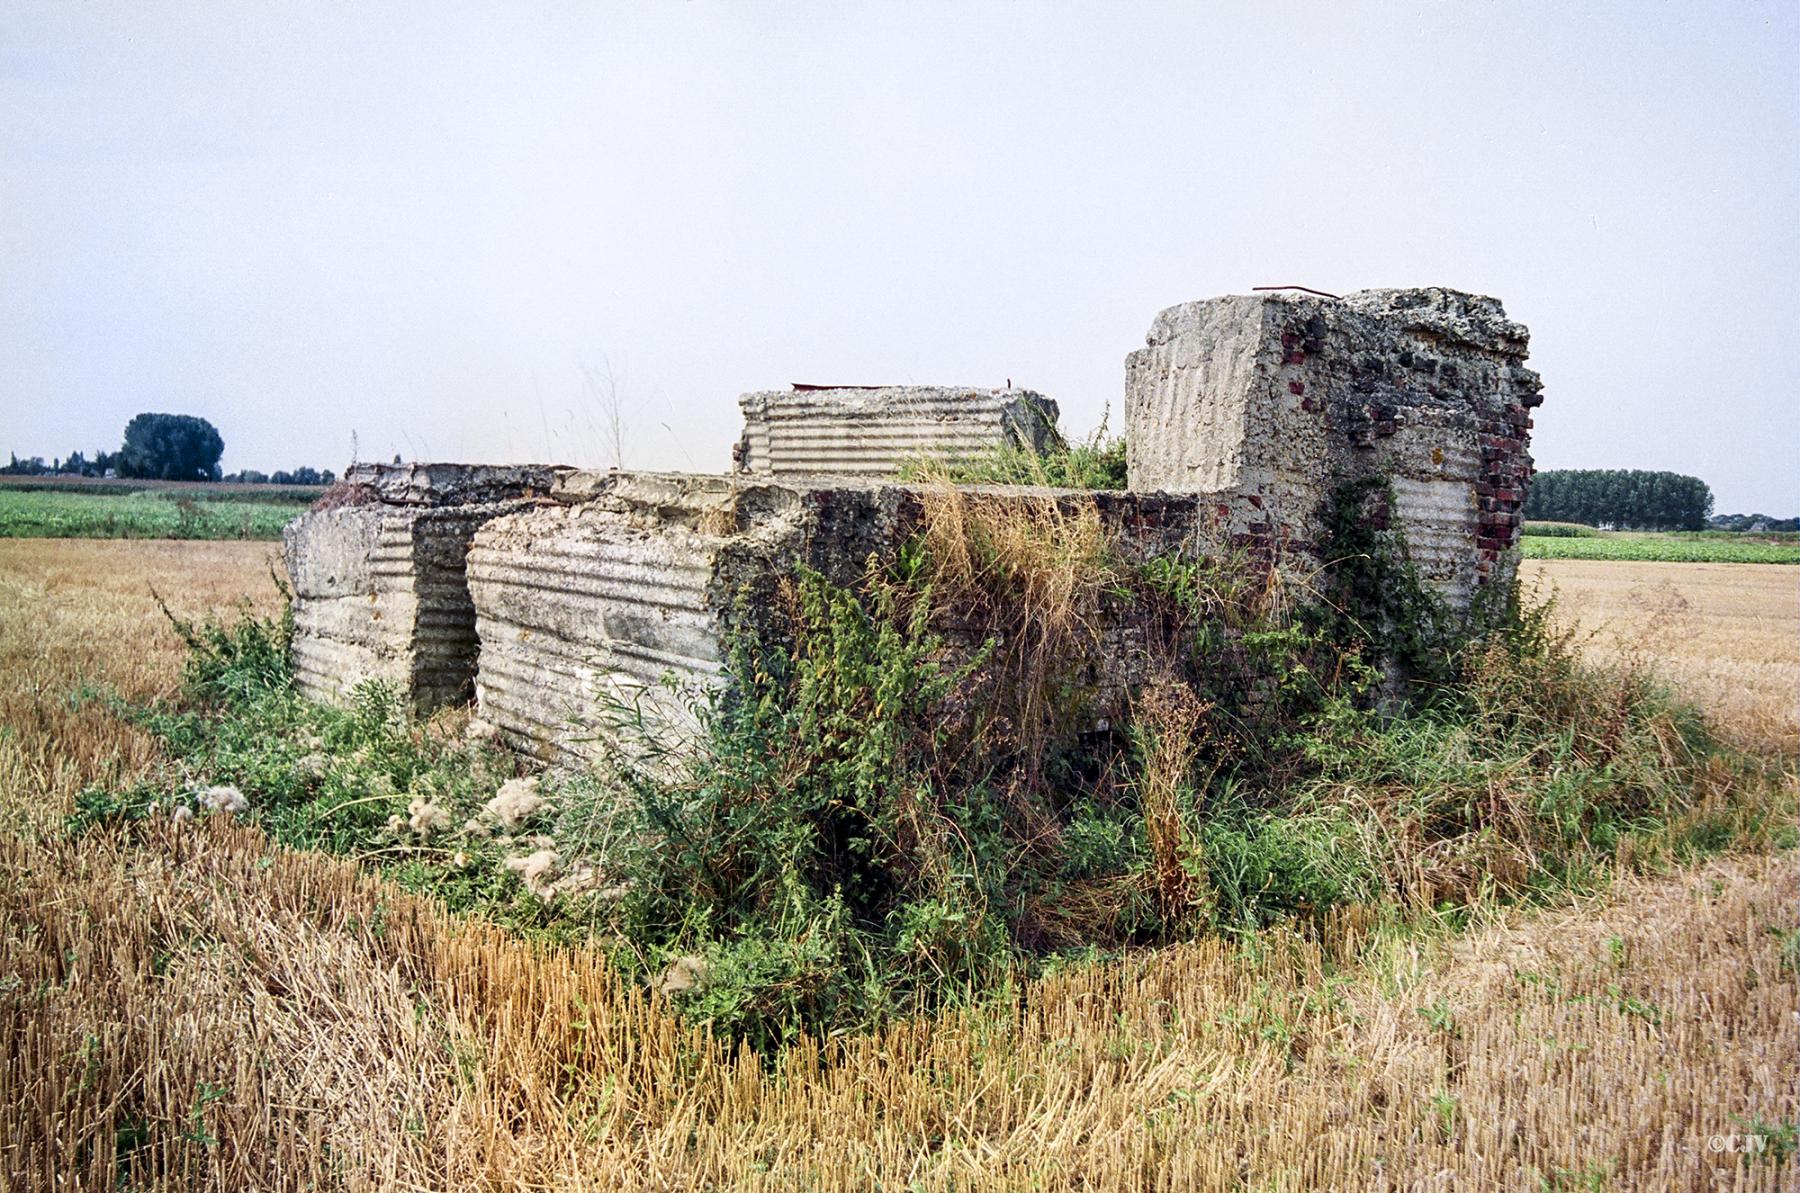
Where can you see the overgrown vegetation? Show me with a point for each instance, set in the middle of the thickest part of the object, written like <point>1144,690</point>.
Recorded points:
<point>916,787</point>
<point>1097,462</point>
<point>366,781</point>
<point>907,830</point>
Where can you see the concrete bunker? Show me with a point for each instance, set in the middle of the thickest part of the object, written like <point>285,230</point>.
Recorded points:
<point>1246,417</point>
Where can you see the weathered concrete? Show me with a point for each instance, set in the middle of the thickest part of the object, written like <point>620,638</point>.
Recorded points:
<point>585,608</point>
<point>378,584</point>
<point>442,485</point>
<point>626,599</point>
<point>1272,401</point>
<point>875,432</point>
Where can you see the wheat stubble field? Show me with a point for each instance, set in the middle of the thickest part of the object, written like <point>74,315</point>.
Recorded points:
<point>236,1016</point>
<point>1727,633</point>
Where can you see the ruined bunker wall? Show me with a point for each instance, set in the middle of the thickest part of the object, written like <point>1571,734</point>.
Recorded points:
<point>616,602</point>
<point>876,432</point>
<point>628,597</point>
<point>565,594</point>
<point>351,574</point>
<point>1193,397</point>
<point>1282,399</point>
<point>1447,413</point>
<point>379,595</point>
<point>586,609</point>
<point>440,485</point>
<point>378,584</point>
<point>445,646</point>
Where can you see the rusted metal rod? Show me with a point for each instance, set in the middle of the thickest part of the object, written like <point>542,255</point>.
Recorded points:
<point>1304,289</point>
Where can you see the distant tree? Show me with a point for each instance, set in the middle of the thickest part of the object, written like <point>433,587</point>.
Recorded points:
<point>302,476</point>
<point>1753,523</point>
<point>1626,499</point>
<point>171,447</point>
<point>31,466</point>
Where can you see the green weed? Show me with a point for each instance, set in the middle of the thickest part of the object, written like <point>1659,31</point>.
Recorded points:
<point>1097,462</point>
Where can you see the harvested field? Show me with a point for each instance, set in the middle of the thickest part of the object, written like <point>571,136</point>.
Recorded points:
<point>192,1008</point>
<point>1728,635</point>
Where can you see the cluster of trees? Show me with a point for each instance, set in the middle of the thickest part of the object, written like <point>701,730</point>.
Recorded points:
<point>1752,523</point>
<point>173,447</point>
<point>73,464</point>
<point>1620,499</point>
<point>299,476</point>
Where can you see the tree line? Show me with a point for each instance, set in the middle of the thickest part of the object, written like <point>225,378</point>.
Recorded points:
<point>1753,524</point>
<point>1620,499</point>
<point>170,447</point>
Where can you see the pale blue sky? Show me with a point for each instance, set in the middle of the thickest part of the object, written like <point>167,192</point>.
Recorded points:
<point>429,223</point>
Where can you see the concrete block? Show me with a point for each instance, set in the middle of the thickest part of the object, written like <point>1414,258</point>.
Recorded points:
<point>875,432</point>
<point>1271,401</point>
<point>452,484</point>
<point>378,585</point>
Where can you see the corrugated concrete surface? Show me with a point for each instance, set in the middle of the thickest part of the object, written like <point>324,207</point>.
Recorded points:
<point>379,595</point>
<point>586,614</point>
<point>877,432</point>
<point>379,592</point>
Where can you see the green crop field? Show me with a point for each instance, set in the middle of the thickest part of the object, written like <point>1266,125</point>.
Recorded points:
<point>1650,547</point>
<point>159,513</point>
<point>1559,530</point>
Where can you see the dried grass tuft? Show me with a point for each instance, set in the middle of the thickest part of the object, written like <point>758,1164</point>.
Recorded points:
<point>1028,571</point>
<point>1168,717</point>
